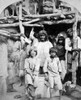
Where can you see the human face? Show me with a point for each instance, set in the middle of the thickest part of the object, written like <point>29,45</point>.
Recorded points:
<point>33,53</point>
<point>42,37</point>
<point>53,54</point>
<point>60,41</point>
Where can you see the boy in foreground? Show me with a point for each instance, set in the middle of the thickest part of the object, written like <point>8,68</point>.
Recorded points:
<point>52,69</point>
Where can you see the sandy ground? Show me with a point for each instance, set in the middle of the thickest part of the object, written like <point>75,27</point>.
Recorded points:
<point>20,91</point>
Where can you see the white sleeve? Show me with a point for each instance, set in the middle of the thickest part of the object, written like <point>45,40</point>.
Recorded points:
<point>27,66</point>
<point>45,66</point>
<point>67,45</point>
<point>50,45</point>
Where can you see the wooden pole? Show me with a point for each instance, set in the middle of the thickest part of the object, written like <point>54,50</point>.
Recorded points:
<point>80,51</point>
<point>54,7</point>
<point>65,21</point>
<point>75,46</point>
<point>20,19</point>
<point>21,25</point>
<point>49,15</point>
<point>75,34</point>
<point>17,24</point>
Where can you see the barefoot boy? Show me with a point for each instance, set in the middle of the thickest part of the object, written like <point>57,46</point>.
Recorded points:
<point>52,69</point>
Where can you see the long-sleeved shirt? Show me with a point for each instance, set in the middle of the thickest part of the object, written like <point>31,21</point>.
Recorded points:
<point>52,66</point>
<point>43,51</point>
<point>68,46</point>
<point>42,48</point>
<point>32,65</point>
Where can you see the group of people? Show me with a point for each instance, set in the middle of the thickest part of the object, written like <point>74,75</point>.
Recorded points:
<point>46,58</point>
<point>43,61</point>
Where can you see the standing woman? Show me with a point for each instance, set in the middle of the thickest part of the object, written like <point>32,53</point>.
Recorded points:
<point>61,52</point>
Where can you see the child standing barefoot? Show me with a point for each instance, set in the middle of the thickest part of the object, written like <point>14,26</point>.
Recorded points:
<point>52,69</point>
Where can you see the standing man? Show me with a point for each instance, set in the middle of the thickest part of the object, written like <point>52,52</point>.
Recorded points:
<point>61,53</point>
<point>69,47</point>
<point>43,48</point>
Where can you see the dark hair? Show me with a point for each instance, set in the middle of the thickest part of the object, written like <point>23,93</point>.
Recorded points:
<point>62,39</point>
<point>53,49</point>
<point>41,33</point>
<point>31,51</point>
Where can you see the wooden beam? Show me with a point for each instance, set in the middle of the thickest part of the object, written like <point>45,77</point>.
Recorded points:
<point>65,21</point>
<point>33,20</point>
<point>32,25</point>
<point>20,19</point>
<point>38,16</point>
<point>48,15</point>
<point>8,34</point>
<point>54,7</point>
<point>15,35</point>
<point>75,46</point>
<point>17,24</point>
<point>80,51</point>
<point>9,17</point>
<point>9,25</point>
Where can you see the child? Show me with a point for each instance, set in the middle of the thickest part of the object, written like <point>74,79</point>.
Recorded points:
<point>52,69</point>
<point>32,70</point>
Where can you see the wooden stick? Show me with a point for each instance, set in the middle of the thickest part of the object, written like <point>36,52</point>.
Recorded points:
<point>17,24</point>
<point>32,25</point>
<point>65,21</point>
<point>66,61</point>
<point>75,34</point>
<point>54,8</point>
<point>75,61</point>
<point>8,34</point>
<point>20,17</point>
<point>9,17</point>
<point>9,25</point>
<point>38,16</point>
<point>4,33</point>
<point>15,35</point>
<point>33,20</point>
<point>49,15</point>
